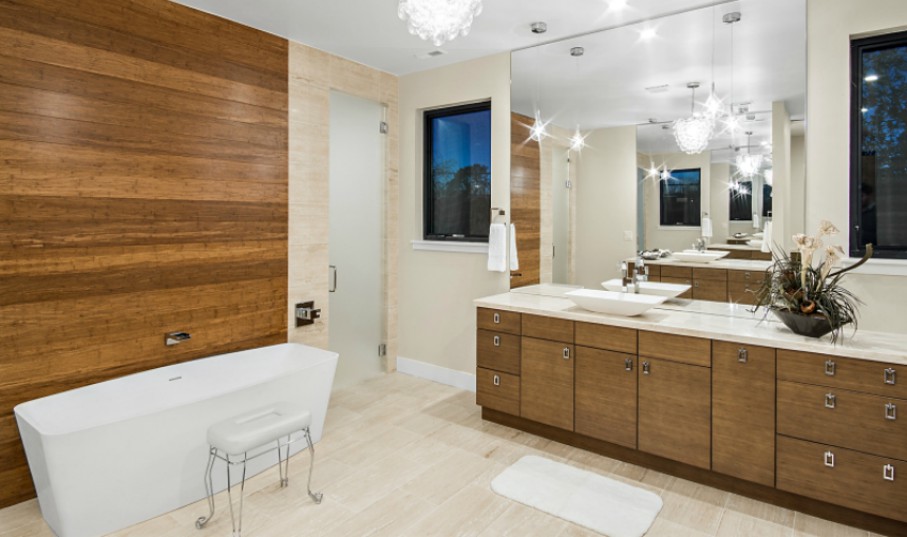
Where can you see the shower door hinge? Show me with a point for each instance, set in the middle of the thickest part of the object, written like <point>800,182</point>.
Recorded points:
<point>383,127</point>
<point>382,349</point>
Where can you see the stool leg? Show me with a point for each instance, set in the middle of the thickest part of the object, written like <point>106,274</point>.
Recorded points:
<point>209,488</point>
<point>316,496</point>
<point>284,464</point>
<point>237,526</point>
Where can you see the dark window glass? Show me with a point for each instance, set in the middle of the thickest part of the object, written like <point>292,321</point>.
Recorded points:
<point>741,207</point>
<point>680,201</point>
<point>766,200</point>
<point>878,171</point>
<point>458,173</point>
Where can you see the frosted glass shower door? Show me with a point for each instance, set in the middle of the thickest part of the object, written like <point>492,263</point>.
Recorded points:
<point>356,308</point>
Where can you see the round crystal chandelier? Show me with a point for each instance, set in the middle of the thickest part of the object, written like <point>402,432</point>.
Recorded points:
<point>438,20</point>
<point>748,165</point>
<point>693,133</point>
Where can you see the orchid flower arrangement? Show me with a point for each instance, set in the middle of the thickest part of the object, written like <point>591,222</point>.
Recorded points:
<point>810,286</point>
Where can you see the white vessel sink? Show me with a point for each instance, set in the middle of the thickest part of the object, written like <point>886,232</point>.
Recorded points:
<point>627,304</point>
<point>670,290</point>
<point>695,256</point>
<point>755,243</point>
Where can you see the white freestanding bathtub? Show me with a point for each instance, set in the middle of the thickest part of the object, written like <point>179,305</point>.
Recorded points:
<point>112,454</point>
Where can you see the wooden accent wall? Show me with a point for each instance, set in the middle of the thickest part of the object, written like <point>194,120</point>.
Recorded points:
<point>525,200</point>
<point>143,190</point>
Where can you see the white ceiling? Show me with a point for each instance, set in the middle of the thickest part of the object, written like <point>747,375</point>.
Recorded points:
<point>369,32</point>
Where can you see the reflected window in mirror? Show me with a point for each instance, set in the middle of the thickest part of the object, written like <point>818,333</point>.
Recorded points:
<point>457,173</point>
<point>741,206</point>
<point>878,173</point>
<point>680,198</point>
<point>766,201</point>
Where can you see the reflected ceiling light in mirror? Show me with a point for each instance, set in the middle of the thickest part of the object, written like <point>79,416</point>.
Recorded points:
<point>577,141</point>
<point>693,133</point>
<point>768,175</point>
<point>648,34</point>
<point>871,78</point>
<point>439,21</point>
<point>539,129</point>
<point>748,165</point>
<point>617,5</point>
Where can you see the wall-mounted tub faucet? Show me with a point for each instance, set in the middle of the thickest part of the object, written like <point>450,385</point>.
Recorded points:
<point>175,338</point>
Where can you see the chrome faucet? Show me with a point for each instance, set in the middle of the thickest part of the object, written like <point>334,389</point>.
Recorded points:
<point>699,245</point>
<point>640,274</point>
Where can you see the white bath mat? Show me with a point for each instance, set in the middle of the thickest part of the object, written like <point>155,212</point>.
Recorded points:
<point>603,505</point>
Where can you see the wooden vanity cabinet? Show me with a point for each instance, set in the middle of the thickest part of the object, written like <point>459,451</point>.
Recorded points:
<point>547,358</point>
<point>742,285</point>
<point>743,411</point>
<point>498,360</point>
<point>674,415</point>
<point>710,284</point>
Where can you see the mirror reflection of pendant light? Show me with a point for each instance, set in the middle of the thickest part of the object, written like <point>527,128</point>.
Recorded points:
<point>538,130</point>
<point>714,106</point>
<point>731,123</point>
<point>577,141</point>
<point>692,134</point>
<point>748,165</point>
<point>439,20</point>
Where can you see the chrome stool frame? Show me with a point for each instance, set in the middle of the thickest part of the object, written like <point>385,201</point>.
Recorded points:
<point>283,466</point>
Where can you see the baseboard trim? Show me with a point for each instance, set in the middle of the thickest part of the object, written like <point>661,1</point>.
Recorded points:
<point>436,373</point>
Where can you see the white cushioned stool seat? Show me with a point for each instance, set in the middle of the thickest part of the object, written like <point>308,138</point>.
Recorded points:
<point>254,429</point>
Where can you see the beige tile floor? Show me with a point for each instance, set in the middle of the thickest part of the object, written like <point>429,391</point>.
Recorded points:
<point>403,456</point>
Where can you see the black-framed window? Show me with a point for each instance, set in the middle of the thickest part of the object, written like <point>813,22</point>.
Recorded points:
<point>766,200</point>
<point>680,198</point>
<point>878,162</point>
<point>741,201</point>
<point>457,173</point>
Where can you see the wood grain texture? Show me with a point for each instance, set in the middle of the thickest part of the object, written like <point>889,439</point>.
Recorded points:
<point>856,420</point>
<point>144,191</point>
<point>602,336</point>
<point>714,290</point>
<point>854,481</point>
<point>743,412</point>
<point>605,398</point>
<point>547,328</point>
<point>498,320</point>
<point>849,374</point>
<point>684,349</point>
<point>525,201</point>
<point>546,382</point>
<point>498,351</point>
<point>498,391</point>
<point>675,411</point>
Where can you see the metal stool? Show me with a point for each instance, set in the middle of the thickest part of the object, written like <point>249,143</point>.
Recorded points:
<point>232,439</point>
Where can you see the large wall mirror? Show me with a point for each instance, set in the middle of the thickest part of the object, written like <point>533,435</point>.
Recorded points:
<point>661,162</point>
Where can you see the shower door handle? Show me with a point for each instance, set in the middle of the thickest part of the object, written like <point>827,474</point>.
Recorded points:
<point>333,288</point>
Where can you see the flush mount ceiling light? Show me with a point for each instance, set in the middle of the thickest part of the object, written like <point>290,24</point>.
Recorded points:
<point>693,133</point>
<point>438,20</point>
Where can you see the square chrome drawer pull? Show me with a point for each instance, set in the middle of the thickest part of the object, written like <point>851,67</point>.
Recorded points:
<point>888,472</point>
<point>497,318</point>
<point>829,459</point>
<point>830,368</point>
<point>645,368</point>
<point>496,380</point>
<point>891,376</point>
<point>628,364</point>
<point>742,355</point>
<point>566,353</point>
<point>497,341</point>
<point>830,400</point>
<point>891,411</point>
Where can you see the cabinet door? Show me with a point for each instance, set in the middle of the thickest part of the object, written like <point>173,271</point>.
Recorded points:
<point>606,395</point>
<point>546,382</point>
<point>743,412</point>
<point>682,281</point>
<point>675,411</point>
<point>715,290</point>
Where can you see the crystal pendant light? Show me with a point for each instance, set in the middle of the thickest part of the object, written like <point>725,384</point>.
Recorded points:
<point>693,133</point>
<point>438,20</point>
<point>748,165</point>
<point>577,141</point>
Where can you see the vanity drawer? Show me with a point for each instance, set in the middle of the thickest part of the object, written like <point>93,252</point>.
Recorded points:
<point>742,292</point>
<point>710,274</point>
<point>683,349</point>
<point>600,336</point>
<point>683,281</point>
<point>862,375</point>
<point>498,351</point>
<point>498,391</point>
<point>715,290</point>
<point>670,271</point>
<point>861,421</point>
<point>843,477</point>
<point>654,270</point>
<point>498,320</point>
<point>548,328</point>
<point>753,277</point>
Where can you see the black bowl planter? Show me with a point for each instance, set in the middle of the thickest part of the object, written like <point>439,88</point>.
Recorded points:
<point>804,325</point>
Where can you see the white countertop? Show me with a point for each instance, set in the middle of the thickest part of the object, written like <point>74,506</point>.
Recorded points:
<point>728,264</point>
<point>745,247</point>
<point>713,320</point>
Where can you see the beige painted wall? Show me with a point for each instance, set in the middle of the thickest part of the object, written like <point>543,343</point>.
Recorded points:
<point>436,313</point>
<point>313,74</point>
<point>605,204</point>
<point>797,195</point>
<point>550,165</point>
<point>830,26</point>
<point>669,237</point>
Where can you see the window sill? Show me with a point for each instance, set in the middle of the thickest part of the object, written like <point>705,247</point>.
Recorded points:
<point>679,228</point>
<point>879,267</point>
<point>452,246</point>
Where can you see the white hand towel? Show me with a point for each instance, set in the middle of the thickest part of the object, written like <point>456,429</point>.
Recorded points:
<point>706,227</point>
<point>757,224</point>
<point>497,248</point>
<point>514,260</point>
<point>767,238</point>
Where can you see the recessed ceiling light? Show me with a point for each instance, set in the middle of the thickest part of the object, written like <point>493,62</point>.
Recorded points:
<point>647,33</point>
<point>617,5</point>
<point>871,78</point>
